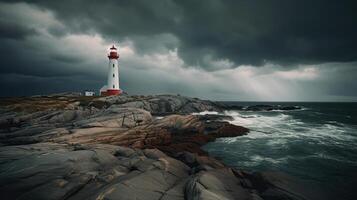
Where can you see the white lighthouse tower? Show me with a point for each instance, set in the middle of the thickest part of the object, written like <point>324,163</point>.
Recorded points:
<point>112,87</point>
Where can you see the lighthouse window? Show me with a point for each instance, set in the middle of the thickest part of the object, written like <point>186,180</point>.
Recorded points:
<point>113,65</point>
<point>113,86</point>
<point>113,75</point>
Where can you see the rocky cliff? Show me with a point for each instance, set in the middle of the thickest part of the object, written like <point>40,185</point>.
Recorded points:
<point>123,147</point>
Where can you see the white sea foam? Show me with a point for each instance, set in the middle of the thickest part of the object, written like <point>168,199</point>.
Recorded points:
<point>256,160</point>
<point>256,120</point>
<point>299,143</point>
<point>280,127</point>
<point>283,125</point>
<point>206,113</point>
<point>328,157</point>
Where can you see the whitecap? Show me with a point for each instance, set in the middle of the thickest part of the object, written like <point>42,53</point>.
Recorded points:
<point>258,159</point>
<point>206,113</point>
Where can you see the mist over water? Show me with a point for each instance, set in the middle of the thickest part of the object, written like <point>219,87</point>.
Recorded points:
<point>316,144</point>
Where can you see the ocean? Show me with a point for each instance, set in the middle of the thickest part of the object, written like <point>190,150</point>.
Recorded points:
<point>317,144</point>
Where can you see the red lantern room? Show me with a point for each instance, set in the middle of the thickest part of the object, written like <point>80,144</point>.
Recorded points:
<point>113,53</point>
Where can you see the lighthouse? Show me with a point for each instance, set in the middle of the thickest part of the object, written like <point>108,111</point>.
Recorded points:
<point>112,87</point>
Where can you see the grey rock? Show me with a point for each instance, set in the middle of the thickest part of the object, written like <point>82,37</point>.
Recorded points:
<point>153,153</point>
<point>67,171</point>
<point>215,184</point>
<point>116,116</point>
<point>163,104</point>
<point>288,187</point>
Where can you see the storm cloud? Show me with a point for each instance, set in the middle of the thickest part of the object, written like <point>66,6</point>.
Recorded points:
<point>227,50</point>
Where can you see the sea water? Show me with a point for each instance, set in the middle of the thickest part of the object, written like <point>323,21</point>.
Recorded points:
<point>317,143</point>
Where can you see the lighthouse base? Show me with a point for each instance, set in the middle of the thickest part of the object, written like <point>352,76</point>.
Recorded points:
<point>111,92</point>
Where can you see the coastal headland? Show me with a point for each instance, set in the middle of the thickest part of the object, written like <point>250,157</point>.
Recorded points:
<point>66,146</point>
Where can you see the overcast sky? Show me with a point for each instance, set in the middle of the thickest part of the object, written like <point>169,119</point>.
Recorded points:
<point>247,50</point>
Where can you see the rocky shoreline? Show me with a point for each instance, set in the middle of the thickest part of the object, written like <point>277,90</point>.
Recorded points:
<point>125,147</point>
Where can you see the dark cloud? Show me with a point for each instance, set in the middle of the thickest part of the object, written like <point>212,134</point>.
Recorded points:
<point>252,32</point>
<point>12,31</point>
<point>246,32</point>
<point>64,42</point>
<point>22,85</point>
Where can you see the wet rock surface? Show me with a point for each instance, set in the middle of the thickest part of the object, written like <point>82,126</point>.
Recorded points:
<point>71,147</point>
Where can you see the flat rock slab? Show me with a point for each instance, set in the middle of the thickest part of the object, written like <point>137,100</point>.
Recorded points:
<point>87,172</point>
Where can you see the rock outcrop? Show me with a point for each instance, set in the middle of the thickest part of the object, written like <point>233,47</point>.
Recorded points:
<point>100,171</point>
<point>122,147</point>
<point>162,104</point>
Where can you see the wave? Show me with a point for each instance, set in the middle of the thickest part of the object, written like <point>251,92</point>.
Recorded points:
<point>282,126</point>
<point>286,125</point>
<point>254,120</point>
<point>312,145</point>
<point>207,113</point>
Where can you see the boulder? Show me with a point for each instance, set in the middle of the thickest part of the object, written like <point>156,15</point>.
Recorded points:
<point>215,184</point>
<point>283,186</point>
